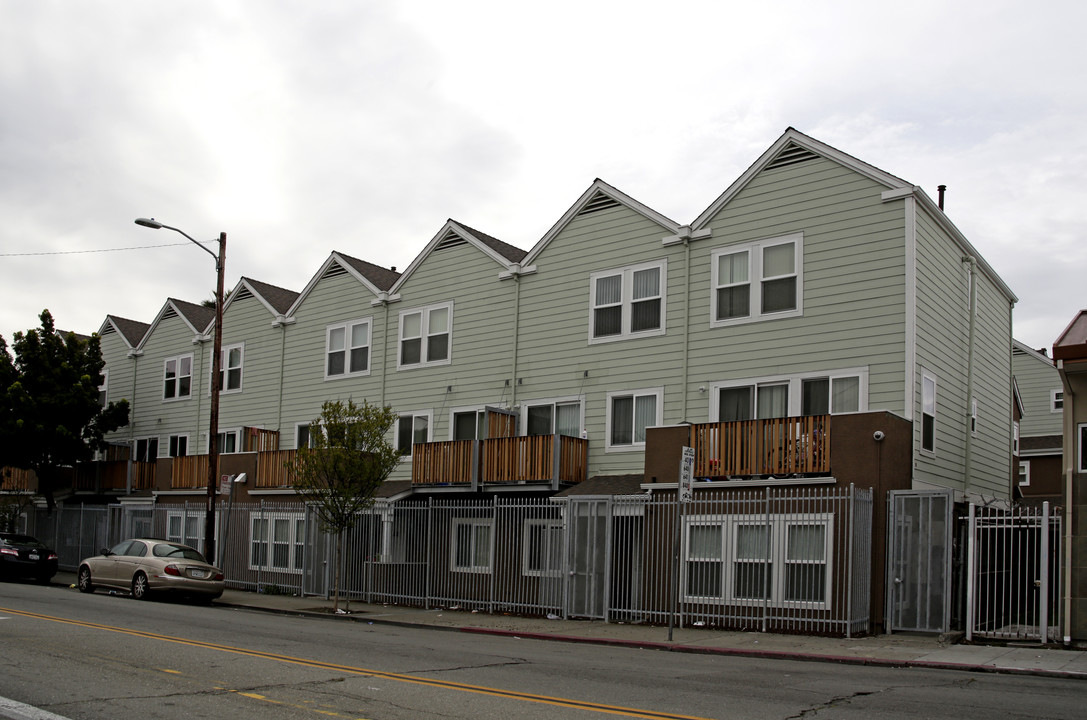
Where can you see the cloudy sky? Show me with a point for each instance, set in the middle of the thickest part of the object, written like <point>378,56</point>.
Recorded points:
<point>299,128</point>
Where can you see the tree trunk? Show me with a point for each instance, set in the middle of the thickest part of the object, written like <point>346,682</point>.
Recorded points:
<point>336,574</point>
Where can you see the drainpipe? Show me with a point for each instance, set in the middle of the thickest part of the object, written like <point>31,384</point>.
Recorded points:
<point>686,319</point>
<point>973,269</point>
<point>132,423</point>
<point>384,347</point>
<point>1068,459</point>
<point>516,326</point>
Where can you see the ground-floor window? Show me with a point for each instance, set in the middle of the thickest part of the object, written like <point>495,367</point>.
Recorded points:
<point>471,545</point>
<point>186,528</point>
<point>542,548</point>
<point>783,560</point>
<point>277,542</point>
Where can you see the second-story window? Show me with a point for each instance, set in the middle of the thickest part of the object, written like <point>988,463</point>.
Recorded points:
<point>230,368</point>
<point>757,281</point>
<point>627,302</point>
<point>177,378</point>
<point>425,335</point>
<point>348,349</point>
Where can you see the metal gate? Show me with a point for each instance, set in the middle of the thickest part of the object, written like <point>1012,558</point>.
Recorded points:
<point>1013,589</point>
<point>919,525</point>
<point>587,549</point>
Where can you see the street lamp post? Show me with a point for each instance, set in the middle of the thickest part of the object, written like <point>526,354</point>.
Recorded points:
<point>216,382</point>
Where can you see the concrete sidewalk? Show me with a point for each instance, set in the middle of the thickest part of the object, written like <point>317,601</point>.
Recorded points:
<point>897,650</point>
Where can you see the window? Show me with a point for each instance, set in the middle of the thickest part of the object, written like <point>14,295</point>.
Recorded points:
<point>1024,473</point>
<point>471,545</point>
<point>1056,401</point>
<point>783,560</point>
<point>425,336</point>
<point>830,395</point>
<point>629,414</point>
<point>1082,449</point>
<point>627,302</point>
<point>186,528</point>
<point>177,378</point>
<point>974,417</point>
<point>554,418</point>
<point>412,428</point>
<point>302,436</point>
<point>469,425</point>
<point>103,389</point>
<point>347,349</point>
<point>928,413</point>
<point>542,548</point>
<point>230,369</point>
<point>277,542</point>
<point>840,391</point>
<point>147,449</point>
<point>229,441</point>
<point>1015,438</point>
<point>757,281</point>
<point>179,445</point>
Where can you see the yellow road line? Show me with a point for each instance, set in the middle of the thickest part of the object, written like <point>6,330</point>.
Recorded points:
<point>398,677</point>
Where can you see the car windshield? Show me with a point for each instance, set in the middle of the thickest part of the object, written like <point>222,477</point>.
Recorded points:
<point>21,540</point>
<point>177,551</point>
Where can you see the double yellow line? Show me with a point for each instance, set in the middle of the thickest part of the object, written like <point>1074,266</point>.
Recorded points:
<point>368,672</point>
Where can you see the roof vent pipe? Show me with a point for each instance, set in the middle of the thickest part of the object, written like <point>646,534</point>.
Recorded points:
<point>940,190</point>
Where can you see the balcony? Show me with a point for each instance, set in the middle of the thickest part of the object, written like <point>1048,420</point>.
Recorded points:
<point>18,480</point>
<point>550,460</point>
<point>777,447</point>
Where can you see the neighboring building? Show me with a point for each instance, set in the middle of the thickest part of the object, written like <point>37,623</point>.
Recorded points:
<point>1039,430</point>
<point>1070,356</point>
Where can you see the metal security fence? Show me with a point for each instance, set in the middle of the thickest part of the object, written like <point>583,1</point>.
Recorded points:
<point>791,560</point>
<point>1013,587</point>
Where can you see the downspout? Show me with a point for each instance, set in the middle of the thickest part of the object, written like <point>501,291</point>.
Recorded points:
<point>516,333</point>
<point>131,424</point>
<point>1067,461</point>
<point>384,348</point>
<point>282,358</point>
<point>973,267</point>
<point>686,321</point>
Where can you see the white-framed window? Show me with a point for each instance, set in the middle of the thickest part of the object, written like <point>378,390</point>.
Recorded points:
<point>347,349</point>
<point>470,545</point>
<point>426,336</point>
<point>177,377</point>
<point>757,281</point>
<point>1081,433</point>
<point>629,414</point>
<point>542,548</point>
<point>230,368</point>
<point>1015,437</point>
<point>468,424</point>
<point>1024,473</point>
<point>553,417</point>
<point>178,445</point>
<point>103,389</point>
<point>146,450</point>
<point>928,413</point>
<point>1056,401</point>
<point>230,441</point>
<point>412,428</point>
<point>187,528</point>
<point>782,560</point>
<point>813,393</point>
<point>627,302</point>
<point>277,542</point>
<point>302,436</point>
<point>974,417</point>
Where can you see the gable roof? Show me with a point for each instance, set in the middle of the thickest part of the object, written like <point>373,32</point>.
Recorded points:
<point>1072,343</point>
<point>131,331</point>
<point>599,196</point>
<point>197,317</point>
<point>376,279</point>
<point>454,234</point>
<point>277,300</point>
<point>1019,348</point>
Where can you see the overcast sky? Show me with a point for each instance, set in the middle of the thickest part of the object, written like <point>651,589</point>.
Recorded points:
<point>300,128</point>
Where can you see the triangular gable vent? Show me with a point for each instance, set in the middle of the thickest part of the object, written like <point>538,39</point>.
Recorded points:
<point>108,330</point>
<point>334,270</point>
<point>170,313</point>
<point>451,240</point>
<point>599,202</point>
<point>791,155</point>
<point>243,293</point>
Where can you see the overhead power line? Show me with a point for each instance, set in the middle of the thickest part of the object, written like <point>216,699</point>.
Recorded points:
<point>79,252</point>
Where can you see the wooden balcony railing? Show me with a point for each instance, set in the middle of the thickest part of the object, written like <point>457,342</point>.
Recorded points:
<point>452,462</point>
<point>272,469</point>
<point>776,446</point>
<point>258,440</point>
<point>189,472</point>
<point>113,475</point>
<point>533,459</point>
<point>18,480</point>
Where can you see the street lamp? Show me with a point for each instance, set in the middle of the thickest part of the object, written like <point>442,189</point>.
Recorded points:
<point>217,350</point>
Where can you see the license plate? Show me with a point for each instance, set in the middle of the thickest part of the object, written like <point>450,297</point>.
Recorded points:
<point>33,556</point>
<point>198,573</point>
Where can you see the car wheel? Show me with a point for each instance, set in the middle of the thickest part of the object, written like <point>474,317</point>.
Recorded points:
<point>84,580</point>
<point>140,590</point>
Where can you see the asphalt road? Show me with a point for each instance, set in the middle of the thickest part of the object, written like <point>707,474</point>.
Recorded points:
<point>102,656</point>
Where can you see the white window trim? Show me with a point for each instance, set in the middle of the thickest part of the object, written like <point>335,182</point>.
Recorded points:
<point>347,327</point>
<point>225,353</point>
<point>925,375</point>
<point>474,522</point>
<point>550,525</point>
<point>627,302</point>
<point>147,439</point>
<point>796,387</point>
<point>1015,437</point>
<point>754,269</point>
<point>238,440</point>
<point>293,544</point>
<point>565,400</point>
<point>164,447</point>
<point>974,417</point>
<point>477,409</point>
<point>1081,435</point>
<point>634,446</point>
<point>177,378</point>
<point>1024,473</point>
<point>297,430</point>
<point>428,414</point>
<point>196,541</point>
<point>779,524</point>
<point>104,387</point>
<point>424,327</point>
<point>1053,400</point>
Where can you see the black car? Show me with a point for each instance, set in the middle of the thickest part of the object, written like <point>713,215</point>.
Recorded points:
<point>22,556</point>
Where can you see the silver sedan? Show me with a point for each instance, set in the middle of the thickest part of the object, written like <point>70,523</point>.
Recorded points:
<point>144,566</point>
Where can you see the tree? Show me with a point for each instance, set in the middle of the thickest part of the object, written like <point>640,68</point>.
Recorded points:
<point>51,414</point>
<point>349,456</point>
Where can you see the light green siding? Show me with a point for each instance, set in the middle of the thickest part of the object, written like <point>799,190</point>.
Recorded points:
<point>122,372</point>
<point>1037,379</point>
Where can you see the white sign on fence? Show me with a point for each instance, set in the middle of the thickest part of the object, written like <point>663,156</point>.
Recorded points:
<point>686,475</point>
